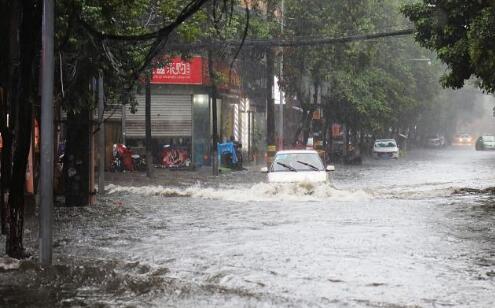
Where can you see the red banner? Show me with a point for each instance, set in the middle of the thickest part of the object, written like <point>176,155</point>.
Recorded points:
<point>180,72</point>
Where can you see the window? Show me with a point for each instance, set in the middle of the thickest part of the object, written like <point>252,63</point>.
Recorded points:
<point>297,162</point>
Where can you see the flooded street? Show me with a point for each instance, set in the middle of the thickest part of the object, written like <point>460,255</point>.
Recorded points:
<point>385,234</point>
<point>135,137</point>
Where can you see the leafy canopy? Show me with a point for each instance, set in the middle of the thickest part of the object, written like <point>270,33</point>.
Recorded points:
<point>462,32</point>
<point>371,85</point>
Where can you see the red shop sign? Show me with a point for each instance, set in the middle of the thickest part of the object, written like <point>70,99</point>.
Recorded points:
<point>180,72</point>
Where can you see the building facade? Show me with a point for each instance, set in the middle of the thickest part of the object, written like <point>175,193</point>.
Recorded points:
<point>181,111</point>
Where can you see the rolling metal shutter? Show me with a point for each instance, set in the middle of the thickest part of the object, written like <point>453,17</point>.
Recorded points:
<point>171,116</point>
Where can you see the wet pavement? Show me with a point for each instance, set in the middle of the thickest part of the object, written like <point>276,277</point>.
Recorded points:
<point>385,234</point>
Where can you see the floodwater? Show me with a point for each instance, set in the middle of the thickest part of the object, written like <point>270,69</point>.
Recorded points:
<point>384,234</point>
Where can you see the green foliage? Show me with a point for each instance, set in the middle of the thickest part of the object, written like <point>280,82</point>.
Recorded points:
<point>369,86</point>
<point>462,33</point>
<point>83,51</point>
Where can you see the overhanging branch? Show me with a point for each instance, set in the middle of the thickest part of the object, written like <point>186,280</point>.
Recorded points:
<point>191,8</point>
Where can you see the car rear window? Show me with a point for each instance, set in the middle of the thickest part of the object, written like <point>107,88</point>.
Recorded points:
<point>385,144</point>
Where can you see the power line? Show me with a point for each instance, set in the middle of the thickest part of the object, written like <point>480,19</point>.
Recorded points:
<point>266,43</point>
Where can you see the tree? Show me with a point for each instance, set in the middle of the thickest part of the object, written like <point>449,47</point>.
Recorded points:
<point>370,87</point>
<point>461,32</point>
<point>120,38</point>
<point>123,39</point>
<point>18,81</point>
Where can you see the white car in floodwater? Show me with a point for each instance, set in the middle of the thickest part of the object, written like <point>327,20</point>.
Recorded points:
<point>297,166</point>
<point>385,148</point>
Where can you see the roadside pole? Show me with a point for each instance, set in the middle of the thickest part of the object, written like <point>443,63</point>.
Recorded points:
<point>270,109</point>
<point>147,120</point>
<point>123,120</point>
<point>92,154</point>
<point>101,138</point>
<point>249,114</point>
<point>271,146</point>
<point>47,138</point>
<point>281,107</point>
<point>214,120</point>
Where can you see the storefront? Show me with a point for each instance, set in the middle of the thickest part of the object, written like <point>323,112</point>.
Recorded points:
<point>181,115</point>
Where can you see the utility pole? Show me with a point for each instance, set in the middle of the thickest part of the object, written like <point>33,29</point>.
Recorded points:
<point>270,104</point>
<point>281,107</point>
<point>101,138</point>
<point>270,107</point>
<point>214,152</point>
<point>123,121</point>
<point>250,134</point>
<point>47,138</point>
<point>147,111</point>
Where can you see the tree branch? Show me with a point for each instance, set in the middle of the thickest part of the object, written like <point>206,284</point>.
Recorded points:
<point>191,8</point>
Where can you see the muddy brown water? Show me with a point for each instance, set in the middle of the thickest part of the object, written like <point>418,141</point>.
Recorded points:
<point>384,234</point>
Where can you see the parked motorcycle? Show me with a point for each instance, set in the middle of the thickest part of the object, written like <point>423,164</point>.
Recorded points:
<point>139,162</point>
<point>175,157</point>
<point>125,160</point>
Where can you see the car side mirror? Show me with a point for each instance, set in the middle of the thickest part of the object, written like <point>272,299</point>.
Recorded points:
<point>330,168</point>
<point>264,170</point>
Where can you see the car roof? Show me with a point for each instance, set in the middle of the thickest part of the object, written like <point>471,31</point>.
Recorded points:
<point>297,152</point>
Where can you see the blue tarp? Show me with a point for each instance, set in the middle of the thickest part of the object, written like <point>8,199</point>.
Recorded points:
<point>227,147</point>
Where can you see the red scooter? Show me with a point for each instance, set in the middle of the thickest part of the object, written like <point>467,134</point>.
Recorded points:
<point>125,160</point>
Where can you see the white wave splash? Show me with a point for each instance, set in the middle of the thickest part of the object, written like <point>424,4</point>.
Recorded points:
<point>245,193</point>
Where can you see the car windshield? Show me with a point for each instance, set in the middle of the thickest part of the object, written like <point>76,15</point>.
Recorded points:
<point>297,162</point>
<point>489,138</point>
<point>385,144</point>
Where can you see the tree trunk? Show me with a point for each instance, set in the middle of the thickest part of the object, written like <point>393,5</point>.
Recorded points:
<point>76,159</point>
<point>330,142</point>
<point>325,134</point>
<point>307,124</point>
<point>29,43</point>
<point>346,140</point>
<point>6,164</point>
<point>306,127</point>
<point>299,127</point>
<point>10,19</point>
<point>362,145</point>
<point>4,66</point>
<point>101,137</point>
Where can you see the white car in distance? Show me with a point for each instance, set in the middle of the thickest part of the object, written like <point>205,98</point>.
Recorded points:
<point>385,148</point>
<point>292,166</point>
